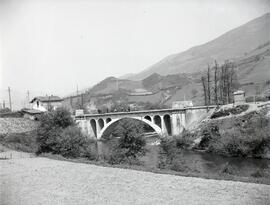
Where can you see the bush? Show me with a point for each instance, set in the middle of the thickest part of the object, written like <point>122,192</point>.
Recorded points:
<point>184,140</point>
<point>226,112</point>
<point>60,118</point>
<point>248,135</point>
<point>57,134</point>
<point>131,142</point>
<point>167,152</point>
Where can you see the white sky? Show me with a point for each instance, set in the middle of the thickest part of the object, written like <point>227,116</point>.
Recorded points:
<point>50,46</point>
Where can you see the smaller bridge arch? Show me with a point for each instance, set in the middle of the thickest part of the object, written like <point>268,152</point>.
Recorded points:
<point>101,123</point>
<point>93,124</point>
<point>108,120</point>
<point>147,117</point>
<point>157,120</point>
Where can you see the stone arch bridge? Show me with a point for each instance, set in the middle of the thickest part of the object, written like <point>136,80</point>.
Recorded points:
<point>164,122</point>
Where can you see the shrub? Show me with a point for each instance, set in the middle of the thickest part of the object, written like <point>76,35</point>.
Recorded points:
<point>131,142</point>
<point>184,140</point>
<point>248,135</point>
<point>58,134</point>
<point>226,112</point>
<point>60,118</point>
<point>167,152</point>
<point>72,143</point>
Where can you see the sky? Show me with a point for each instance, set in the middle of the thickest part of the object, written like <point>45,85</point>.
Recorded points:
<point>51,46</point>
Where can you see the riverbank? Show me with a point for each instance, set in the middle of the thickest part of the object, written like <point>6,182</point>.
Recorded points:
<point>46,181</point>
<point>232,131</point>
<point>191,166</point>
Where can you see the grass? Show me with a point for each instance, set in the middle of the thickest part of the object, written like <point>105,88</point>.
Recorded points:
<point>25,142</point>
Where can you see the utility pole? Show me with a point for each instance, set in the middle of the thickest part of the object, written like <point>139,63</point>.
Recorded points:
<point>9,96</point>
<point>77,90</point>
<point>4,104</point>
<point>28,98</point>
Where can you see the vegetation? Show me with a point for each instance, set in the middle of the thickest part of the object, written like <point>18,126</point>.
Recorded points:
<point>224,83</point>
<point>248,135</point>
<point>230,111</point>
<point>57,134</point>
<point>6,112</point>
<point>25,141</point>
<point>131,143</point>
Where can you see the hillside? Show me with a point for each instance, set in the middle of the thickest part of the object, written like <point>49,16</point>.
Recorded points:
<point>231,45</point>
<point>177,77</point>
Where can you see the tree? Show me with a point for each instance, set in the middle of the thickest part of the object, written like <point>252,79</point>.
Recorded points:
<point>216,83</point>
<point>131,142</point>
<point>204,89</point>
<point>225,82</point>
<point>208,85</point>
<point>50,129</point>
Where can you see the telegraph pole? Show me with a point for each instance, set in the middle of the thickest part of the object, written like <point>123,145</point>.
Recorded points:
<point>28,98</point>
<point>9,96</point>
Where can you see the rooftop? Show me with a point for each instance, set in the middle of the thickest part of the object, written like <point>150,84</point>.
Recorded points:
<point>50,98</point>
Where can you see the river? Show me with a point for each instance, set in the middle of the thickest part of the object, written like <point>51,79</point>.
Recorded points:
<point>195,163</point>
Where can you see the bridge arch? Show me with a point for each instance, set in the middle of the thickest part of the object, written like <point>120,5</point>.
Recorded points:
<point>147,117</point>
<point>93,124</point>
<point>108,120</point>
<point>151,124</point>
<point>157,120</point>
<point>101,123</point>
<point>168,124</point>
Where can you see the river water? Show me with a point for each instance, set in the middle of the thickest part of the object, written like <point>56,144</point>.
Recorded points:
<point>195,162</point>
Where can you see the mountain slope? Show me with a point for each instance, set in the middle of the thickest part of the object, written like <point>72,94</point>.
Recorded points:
<point>233,44</point>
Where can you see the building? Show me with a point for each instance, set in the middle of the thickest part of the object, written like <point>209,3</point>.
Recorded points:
<point>182,104</point>
<point>239,96</point>
<point>267,94</point>
<point>44,103</point>
<point>31,114</point>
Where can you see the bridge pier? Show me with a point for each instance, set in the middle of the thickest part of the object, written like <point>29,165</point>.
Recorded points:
<point>163,126</point>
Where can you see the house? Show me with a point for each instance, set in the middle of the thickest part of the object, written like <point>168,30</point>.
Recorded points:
<point>182,104</point>
<point>239,96</point>
<point>31,114</point>
<point>44,103</point>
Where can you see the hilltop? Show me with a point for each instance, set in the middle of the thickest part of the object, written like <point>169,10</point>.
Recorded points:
<point>231,45</point>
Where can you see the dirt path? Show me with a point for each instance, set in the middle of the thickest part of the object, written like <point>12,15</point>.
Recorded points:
<point>43,181</point>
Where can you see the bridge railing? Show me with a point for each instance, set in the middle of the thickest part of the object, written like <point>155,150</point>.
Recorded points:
<point>145,111</point>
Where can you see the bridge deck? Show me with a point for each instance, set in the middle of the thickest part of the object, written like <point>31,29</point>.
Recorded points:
<point>171,110</point>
